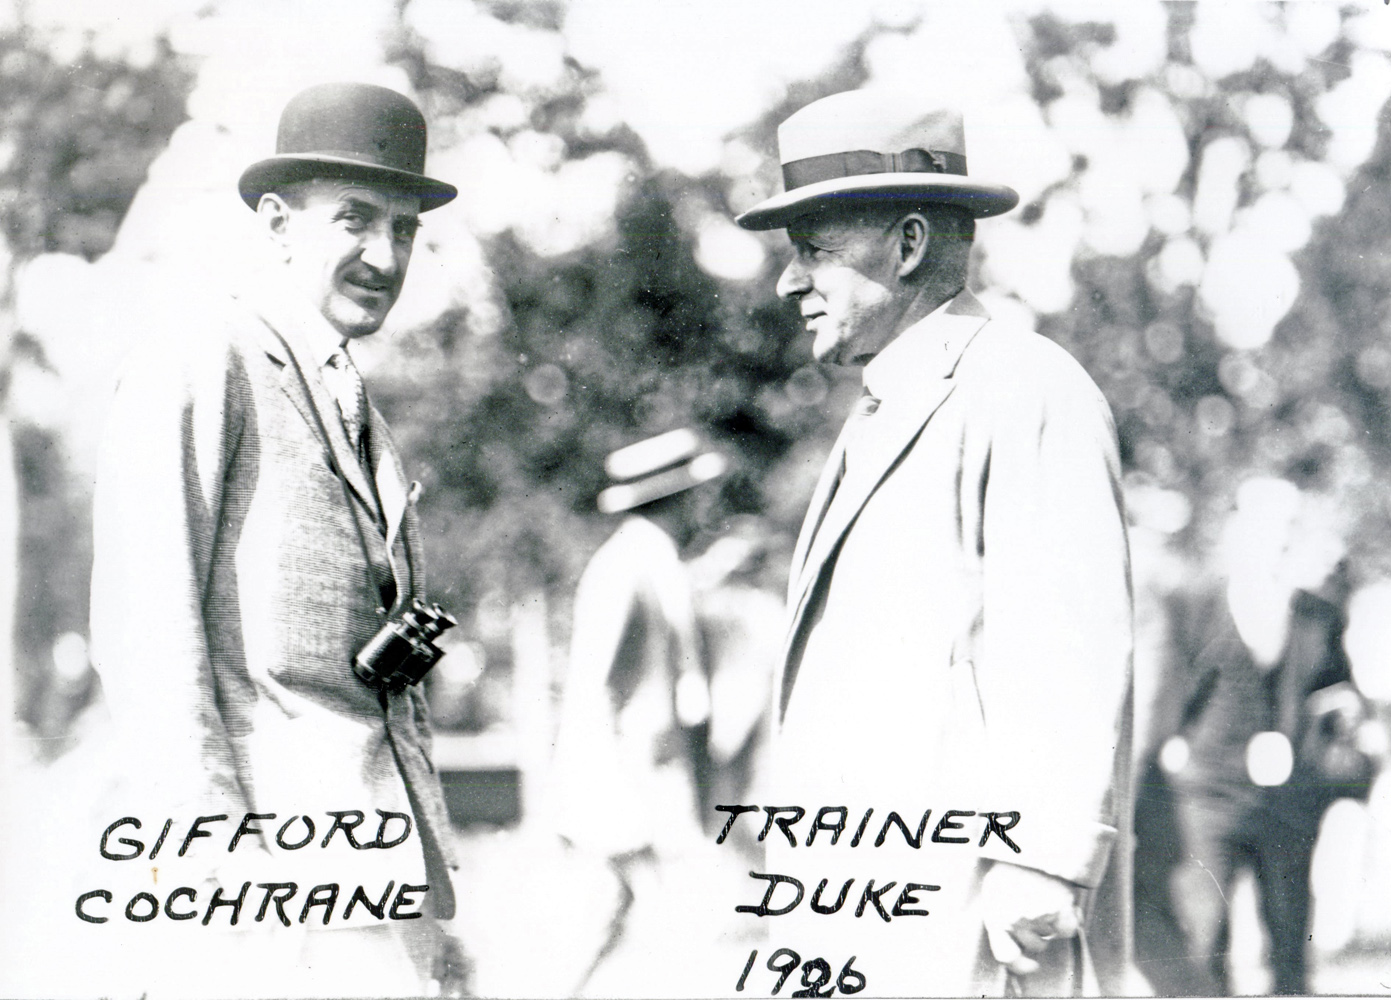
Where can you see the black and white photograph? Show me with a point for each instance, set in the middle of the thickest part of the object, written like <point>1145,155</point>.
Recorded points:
<point>605,498</point>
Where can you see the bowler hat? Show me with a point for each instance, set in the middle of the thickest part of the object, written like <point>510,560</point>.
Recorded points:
<point>858,147</point>
<point>658,467</point>
<point>349,131</point>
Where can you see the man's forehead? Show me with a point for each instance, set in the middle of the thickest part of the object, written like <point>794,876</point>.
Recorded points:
<point>348,191</point>
<point>833,220</point>
<point>811,224</point>
<point>846,219</point>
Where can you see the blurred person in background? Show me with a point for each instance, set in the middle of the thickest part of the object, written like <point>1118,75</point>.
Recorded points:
<point>740,619</point>
<point>253,531</point>
<point>1258,728</point>
<point>635,707</point>
<point>960,635</point>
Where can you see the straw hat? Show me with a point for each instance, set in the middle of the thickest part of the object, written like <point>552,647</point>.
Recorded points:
<point>859,146</point>
<point>658,467</point>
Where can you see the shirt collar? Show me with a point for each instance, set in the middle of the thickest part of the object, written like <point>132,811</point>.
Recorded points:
<point>295,316</point>
<point>928,349</point>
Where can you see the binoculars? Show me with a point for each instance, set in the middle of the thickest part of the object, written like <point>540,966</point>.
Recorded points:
<point>403,651</point>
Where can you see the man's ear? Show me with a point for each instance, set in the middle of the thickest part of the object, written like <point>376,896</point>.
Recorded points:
<point>273,213</point>
<point>914,235</point>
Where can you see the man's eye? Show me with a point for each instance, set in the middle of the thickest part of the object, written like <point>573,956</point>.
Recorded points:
<point>353,221</point>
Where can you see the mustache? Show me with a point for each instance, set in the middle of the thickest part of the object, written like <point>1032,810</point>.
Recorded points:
<point>369,277</point>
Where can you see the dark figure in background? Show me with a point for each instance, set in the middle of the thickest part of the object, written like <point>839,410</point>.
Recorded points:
<point>1254,728</point>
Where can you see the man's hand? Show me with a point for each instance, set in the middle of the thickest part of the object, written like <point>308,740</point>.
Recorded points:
<point>1023,911</point>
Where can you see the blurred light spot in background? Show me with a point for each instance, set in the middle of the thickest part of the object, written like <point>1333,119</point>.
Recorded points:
<point>807,386</point>
<point>1247,287</point>
<point>1336,875</point>
<point>1035,262</point>
<point>1169,214</point>
<point>70,662</point>
<point>546,384</point>
<point>1318,187</point>
<point>648,66</point>
<point>1274,170</point>
<point>1223,161</point>
<point>726,251</point>
<point>1227,38</point>
<point>1140,46</point>
<point>1313,26</point>
<point>1173,756</point>
<point>1180,262</point>
<point>538,149</point>
<point>1269,759</point>
<point>1374,366</point>
<point>1148,506</point>
<point>489,187</point>
<point>1013,140</point>
<point>46,308</point>
<point>1278,220</point>
<point>1350,109</point>
<point>1368,639</point>
<point>1270,119</point>
<point>1116,219</point>
<point>1238,374</point>
<point>1214,415</point>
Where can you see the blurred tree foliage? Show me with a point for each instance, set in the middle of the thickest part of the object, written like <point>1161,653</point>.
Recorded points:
<point>629,337</point>
<point>606,345</point>
<point>1197,416</point>
<point>76,139</point>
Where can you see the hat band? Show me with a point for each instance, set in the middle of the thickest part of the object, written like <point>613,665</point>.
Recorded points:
<point>799,173</point>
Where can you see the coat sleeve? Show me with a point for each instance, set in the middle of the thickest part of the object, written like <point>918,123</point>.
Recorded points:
<point>1055,670</point>
<point>171,433</point>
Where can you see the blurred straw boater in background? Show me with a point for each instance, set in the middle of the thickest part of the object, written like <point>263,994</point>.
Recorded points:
<point>254,531</point>
<point>959,633</point>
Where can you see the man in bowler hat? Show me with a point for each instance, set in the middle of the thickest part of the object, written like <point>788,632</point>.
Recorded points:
<point>960,631</point>
<point>253,531</point>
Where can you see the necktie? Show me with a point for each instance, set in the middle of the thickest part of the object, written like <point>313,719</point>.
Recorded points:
<point>345,383</point>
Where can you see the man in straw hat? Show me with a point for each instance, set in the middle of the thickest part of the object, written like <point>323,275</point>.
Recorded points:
<point>634,694</point>
<point>253,531</point>
<point>960,608</point>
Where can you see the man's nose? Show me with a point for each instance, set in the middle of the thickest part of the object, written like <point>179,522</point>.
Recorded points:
<point>379,252</point>
<point>794,281</point>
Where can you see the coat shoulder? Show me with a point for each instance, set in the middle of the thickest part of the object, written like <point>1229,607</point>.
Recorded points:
<point>1020,370</point>
<point>195,344</point>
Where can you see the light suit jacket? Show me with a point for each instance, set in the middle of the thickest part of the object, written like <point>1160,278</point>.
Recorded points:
<point>619,740</point>
<point>960,638</point>
<point>230,592</point>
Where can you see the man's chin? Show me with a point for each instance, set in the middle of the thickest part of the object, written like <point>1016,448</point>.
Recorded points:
<point>833,351</point>
<point>352,320</point>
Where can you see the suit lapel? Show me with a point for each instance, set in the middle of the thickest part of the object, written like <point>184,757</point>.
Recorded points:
<point>896,427</point>
<point>892,434</point>
<point>816,511</point>
<point>314,403</point>
<point>391,489</point>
